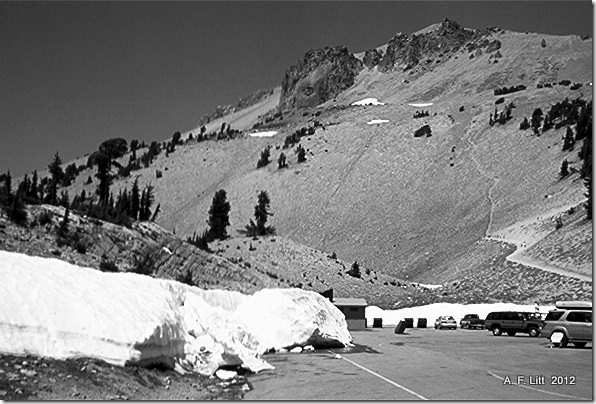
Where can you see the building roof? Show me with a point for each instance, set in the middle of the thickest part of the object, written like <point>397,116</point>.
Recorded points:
<point>349,301</point>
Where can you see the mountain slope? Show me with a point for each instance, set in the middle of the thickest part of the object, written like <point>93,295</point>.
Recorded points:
<point>402,205</point>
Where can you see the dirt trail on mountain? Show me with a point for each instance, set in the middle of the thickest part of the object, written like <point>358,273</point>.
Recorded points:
<point>519,234</point>
<point>494,179</point>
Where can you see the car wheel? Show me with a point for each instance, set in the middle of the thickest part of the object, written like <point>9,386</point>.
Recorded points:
<point>579,344</point>
<point>564,342</point>
<point>511,333</point>
<point>533,332</point>
<point>497,331</point>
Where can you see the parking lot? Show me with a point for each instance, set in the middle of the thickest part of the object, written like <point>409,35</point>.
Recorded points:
<point>430,364</point>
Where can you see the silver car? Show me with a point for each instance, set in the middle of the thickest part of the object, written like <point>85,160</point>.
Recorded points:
<point>569,322</point>
<point>445,322</point>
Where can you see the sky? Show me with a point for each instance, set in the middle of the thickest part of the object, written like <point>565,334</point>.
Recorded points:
<point>73,74</point>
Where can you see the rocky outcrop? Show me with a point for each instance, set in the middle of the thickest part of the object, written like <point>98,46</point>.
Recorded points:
<point>320,75</point>
<point>371,58</point>
<point>406,51</point>
<point>144,248</point>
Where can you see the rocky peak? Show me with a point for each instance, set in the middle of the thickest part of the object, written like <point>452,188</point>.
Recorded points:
<point>406,51</point>
<point>318,76</point>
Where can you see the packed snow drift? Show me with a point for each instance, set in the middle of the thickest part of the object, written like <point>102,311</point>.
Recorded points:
<point>368,101</point>
<point>432,311</point>
<point>421,104</point>
<point>263,134</point>
<point>52,308</point>
<point>377,121</point>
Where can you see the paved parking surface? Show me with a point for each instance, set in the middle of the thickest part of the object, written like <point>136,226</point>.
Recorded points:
<point>430,364</point>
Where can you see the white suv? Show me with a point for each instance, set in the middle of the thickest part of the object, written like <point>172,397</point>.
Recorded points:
<point>569,322</point>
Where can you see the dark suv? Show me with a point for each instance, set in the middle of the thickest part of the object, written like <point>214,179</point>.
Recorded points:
<point>513,322</point>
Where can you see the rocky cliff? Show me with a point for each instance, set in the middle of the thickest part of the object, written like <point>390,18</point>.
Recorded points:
<point>318,76</point>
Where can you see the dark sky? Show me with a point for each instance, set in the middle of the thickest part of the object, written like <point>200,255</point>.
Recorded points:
<point>73,74</point>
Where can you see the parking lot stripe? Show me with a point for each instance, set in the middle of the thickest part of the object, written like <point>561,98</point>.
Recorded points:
<point>540,390</point>
<point>381,377</point>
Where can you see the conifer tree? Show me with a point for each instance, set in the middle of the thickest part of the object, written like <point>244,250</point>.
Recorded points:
<point>536,120</point>
<point>219,216</point>
<point>564,168</point>
<point>588,194</point>
<point>355,270</point>
<point>586,153</point>
<point>262,214</point>
<point>301,154</point>
<point>568,142</point>
<point>104,177</point>
<point>135,200</point>
<point>281,162</point>
<point>16,210</point>
<point>55,169</point>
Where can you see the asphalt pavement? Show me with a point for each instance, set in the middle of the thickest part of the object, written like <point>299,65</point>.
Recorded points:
<point>430,364</point>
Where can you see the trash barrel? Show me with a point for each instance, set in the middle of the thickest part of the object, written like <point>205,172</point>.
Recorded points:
<point>409,322</point>
<point>421,323</point>
<point>377,323</point>
<point>400,327</point>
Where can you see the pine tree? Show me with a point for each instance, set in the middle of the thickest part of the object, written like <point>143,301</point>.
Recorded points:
<point>32,191</point>
<point>355,270</point>
<point>6,191</point>
<point>219,216</point>
<point>281,162</point>
<point>51,196</point>
<point>16,210</point>
<point>524,124</point>
<point>536,120</point>
<point>135,200</point>
<point>262,214</point>
<point>588,195</point>
<point>147,199</point>
<point>586,154</point>
<point>55,169</point>
<point>264,160</point>
<point>568,142</point>
<point>564,168</point>
<point>104,177</point>
<point>301,154</point>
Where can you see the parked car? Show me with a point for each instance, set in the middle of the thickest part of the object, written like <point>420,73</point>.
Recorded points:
<point>470,321</point>
<point>445,322</point>
<point>569,322</point>
<point>513,322</point>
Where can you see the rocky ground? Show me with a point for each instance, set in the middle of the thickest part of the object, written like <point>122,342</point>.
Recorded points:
<point>33,378</point>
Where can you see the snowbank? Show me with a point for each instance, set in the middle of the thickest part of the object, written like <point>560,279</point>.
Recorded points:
<point>377,121</point>
<point>368,101</point>
<point>263,134</point>
<point>432,311</point>
<point>421,104</point>
<point>52,308</point>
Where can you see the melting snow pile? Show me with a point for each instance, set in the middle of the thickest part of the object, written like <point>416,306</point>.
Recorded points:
<point>52,308</point>
<point>377,121</point>
<point>432,311</point>
<point>263,134</point>
<point>421,104</point>
<point>368,101</point>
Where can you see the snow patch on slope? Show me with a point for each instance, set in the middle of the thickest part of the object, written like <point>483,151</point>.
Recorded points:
<point>377,121</point>
<point>263,134</point>
<point>52,308</point>
<point>421,104</point>
<point>368,101</point>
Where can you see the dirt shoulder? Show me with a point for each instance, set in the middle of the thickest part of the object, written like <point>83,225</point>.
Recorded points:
<point>35,378</point>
